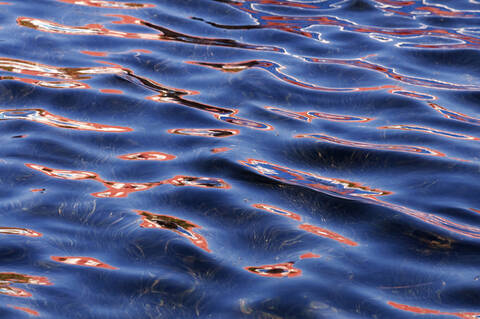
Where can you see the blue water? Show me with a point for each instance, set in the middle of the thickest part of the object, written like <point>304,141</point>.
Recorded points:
<point>240,159</point>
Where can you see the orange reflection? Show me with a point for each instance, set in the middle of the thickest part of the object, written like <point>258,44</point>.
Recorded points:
<point>230,118</point>
<point>120,190</point>
<point>310,115</point>
<point>19,231</point>
<point>37,190</point>
<point>278,211</point>
<point>108,4</point>
<point>162,33</point>
<point>82,261</point>
<point>94,53</point>
<point>276,271</point>
<point>8,278</point>
<point>111,91</point>
<point>309,255</point>
<point>327,233</point>
<point>27,310</point>
<point>220,149</point>
<point>179,226</point>
<point>44,117</point>
<point>454,115</point>
<point>430,131</point>
<point>204,132</point>
<point>353,191</point>
<point>414,9</point>
<point>419,310</point>
<point>48,84</point>
<point>148,156</point>
<point>475,210</point>
<point>385,147</point>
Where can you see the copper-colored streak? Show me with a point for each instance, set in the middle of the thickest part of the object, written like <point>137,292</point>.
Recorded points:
<point>385,147</point>
<point>424,311</point>
<point>396,2</point>
<point>309,255</point>
<point>475,210</point>
<point>337,117</point>
<point>93,53</point>
<point>27,310</point>
<point>8,278</point>
<point>415,95</point>
<point>430,131</point>
<point>203,182</point>
<point>276,271</point>
<point>19,231</point>
<point>82,261</point>
<point>162,33</point>
<point>353,191</point>
<point>108,4</point>
<point>301,116</point>
<point>111,91</point>
<point>148,156</point>
<point>121,190</point>
<point>181,227</point>
<point>141,51</point>
<point>44,117</point>
<point>220,149</point>
<point>444,13</point>
<point>204,132</point>
<point>454,115</point>
<point>49,84</point>
<point>37,190</point>
<point>5,3</point>
<point>278,211</point>
<point>244,122</point>
<point>327,233</point>
<point>338,187</point>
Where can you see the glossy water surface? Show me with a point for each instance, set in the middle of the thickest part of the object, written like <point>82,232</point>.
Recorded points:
<point>240,159</point>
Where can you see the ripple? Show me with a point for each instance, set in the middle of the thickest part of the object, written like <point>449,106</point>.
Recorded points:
<point>276,271</point>
<point>82,261</point>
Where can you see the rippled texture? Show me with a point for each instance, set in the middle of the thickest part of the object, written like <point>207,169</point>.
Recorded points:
<point>240,159</point>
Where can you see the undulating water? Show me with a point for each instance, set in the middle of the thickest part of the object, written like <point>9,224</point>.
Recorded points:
<point>240,159</point>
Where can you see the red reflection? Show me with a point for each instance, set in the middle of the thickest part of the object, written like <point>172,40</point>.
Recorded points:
<point>44,117</point>
<point>454,115</point>
<point>475,210</point>
<point>414,9</point>
<point>82,261</point>
<point>204,132</point>
<point>181,227</point>
<point>431,131</point>
<point>94,53</point>
<point>8,278</point>
<point>162,33</point>
<point>230,118</point>
<point>278,211</point>
<point>327,233</point>
<point>309,255</point>
<point>108,4</point>
<point>276,271</point>
<point>19,231</point>
<point>111,91</point>
<point>386,147</point>
<point>148,156</point>
<point>419,310</point>
<point>27,310</point>
<point>141,51</point>
<point>5,3</point>
<point>48,84</point>
<point>220,149</point>
<point>353,191</point>
<point>120,190</point>
<point>309,115</point>
<point>37,190</point>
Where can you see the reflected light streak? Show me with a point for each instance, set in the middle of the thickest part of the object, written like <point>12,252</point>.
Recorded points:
<point>328,234</point>
<point>383,147</point>
<point>147,156</point>
<point>25,309</point>
<point>429,131</point>
<point>181,227</point>
<point>108,4</point>
<point>451,115</point>
<point>8,278</point>
<point>354,191</point>
<point>121,190</point>
<point>204,132</point>
<point>310,115</point>
<point>19,231</point>
<point>278,211</point>
<point>425,311</point>
<point>47,118</point>
<point>275,271</point>
<point>82,261</point>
